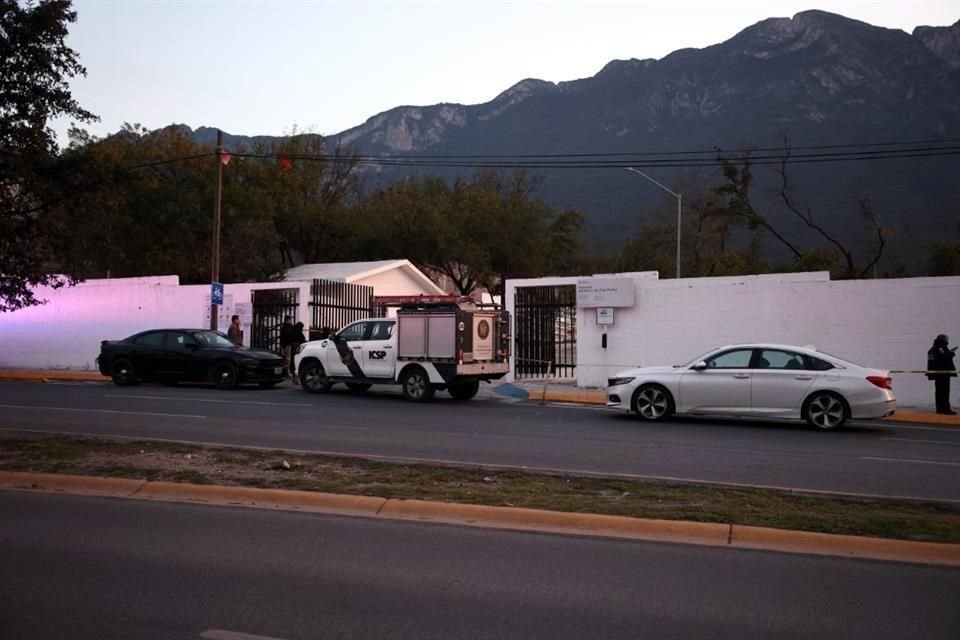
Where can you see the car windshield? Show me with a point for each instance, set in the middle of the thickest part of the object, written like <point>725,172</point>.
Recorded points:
<point>213,339</point>
<point>690,363</point>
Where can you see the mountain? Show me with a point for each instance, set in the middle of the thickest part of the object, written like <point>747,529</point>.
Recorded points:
<point>819,78</point>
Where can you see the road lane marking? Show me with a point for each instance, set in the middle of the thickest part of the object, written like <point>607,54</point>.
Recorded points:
<point>955,444</point>
<point>188,399</point>
<point>134,413</point>
<point>933,462</point>
<point>223,634</point>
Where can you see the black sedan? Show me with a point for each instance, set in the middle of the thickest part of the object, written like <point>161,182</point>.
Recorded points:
<point>187,355</point>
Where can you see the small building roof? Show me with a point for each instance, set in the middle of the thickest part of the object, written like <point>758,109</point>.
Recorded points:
<point>357,271</point>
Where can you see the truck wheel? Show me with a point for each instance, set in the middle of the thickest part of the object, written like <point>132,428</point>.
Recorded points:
<point>123,373</point>
<point>313,378</point>
<point>358,387</point>
<point>416,384</point>
<point>464,390</point>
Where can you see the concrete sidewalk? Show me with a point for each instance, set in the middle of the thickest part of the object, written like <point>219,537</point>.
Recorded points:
<point>530,391</point>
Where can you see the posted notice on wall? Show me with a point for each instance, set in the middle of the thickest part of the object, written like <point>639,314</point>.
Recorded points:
<point>605,292</point>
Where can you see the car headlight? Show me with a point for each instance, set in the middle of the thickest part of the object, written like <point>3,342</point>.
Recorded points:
<point>616,382</point>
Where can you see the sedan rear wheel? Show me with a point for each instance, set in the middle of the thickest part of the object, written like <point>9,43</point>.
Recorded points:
<point>123,373</point>
<point>652,402</point>
<point>825,411</point>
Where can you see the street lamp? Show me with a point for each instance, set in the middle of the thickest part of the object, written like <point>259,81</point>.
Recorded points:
<point>679,207</point>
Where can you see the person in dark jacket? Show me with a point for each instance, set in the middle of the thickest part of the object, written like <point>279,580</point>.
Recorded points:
<point>288,340</point>
<point>940,358</point>
<point>298,339</point>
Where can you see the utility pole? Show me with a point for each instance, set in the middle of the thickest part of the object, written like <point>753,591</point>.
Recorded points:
<point>215,257</point>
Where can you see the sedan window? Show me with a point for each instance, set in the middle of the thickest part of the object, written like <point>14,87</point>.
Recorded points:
<point>181,341</point>
<point>816,364</point>
<point>736,359</point>
<point>152,339</point>
<point>213,339</point>
<point>776,359</point>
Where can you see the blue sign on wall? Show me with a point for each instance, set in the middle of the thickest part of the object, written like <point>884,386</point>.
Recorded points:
<point>216,293</point>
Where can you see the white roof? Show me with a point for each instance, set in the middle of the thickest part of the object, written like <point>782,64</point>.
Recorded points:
<point>355,271</point>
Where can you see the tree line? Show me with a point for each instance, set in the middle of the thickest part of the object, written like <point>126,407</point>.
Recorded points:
<point>140,202</point>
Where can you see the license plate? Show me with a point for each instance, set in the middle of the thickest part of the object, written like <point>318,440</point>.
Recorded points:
<point>278,370</point>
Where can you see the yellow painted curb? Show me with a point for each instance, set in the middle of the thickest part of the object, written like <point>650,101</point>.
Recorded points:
<point>745,537</point>
<point>46,376</point>
<point>580,397</point>
<point>703,533</point>
<point>70,484</point>
<point>269,498</point>
<point>924,418</point>
<point>512,518</point>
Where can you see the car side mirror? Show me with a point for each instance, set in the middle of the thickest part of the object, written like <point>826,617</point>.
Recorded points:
<point>700,366</point>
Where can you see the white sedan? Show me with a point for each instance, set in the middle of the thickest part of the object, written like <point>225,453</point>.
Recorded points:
<point>758,380</point>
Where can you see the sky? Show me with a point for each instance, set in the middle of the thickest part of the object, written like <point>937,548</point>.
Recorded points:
<point>255,67</point>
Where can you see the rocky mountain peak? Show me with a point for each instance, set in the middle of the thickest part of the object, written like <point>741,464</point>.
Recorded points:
<point>942,41</point>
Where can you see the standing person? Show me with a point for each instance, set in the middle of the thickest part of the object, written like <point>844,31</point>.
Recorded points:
<point>940,358</point>
<point>287,339</point>
<point>234,332</point>
<point>298,339</point>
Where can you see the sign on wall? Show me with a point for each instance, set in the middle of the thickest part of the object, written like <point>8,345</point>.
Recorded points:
<point>605,292</point>
<point>604,315</point>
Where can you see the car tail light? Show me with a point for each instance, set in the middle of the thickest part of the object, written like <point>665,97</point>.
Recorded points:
<point>884,382</point>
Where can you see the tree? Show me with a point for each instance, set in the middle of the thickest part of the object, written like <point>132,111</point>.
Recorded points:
<point>837,256</point>
<point>945,258</point>
<point>35,66</point>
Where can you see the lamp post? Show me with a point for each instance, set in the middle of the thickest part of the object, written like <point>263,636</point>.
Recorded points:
<point>679,208</point>
<point>215,252</point>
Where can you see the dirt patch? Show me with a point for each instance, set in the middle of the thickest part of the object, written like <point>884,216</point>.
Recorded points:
<point>277,469</point>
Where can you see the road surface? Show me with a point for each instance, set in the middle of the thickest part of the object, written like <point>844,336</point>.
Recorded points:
<point>876,458</point>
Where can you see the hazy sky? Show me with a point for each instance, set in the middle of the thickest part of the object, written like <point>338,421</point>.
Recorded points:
<point>263,67</point>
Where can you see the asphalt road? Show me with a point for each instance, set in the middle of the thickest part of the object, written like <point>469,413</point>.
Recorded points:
<point>889,459</point>
<point>80,567</point>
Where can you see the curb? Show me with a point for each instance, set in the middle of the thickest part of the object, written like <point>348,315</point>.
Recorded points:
<point>24,375</point>
<point>509,518</point>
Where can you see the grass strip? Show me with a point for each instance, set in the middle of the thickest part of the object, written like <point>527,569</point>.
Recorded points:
<point>149,460</point>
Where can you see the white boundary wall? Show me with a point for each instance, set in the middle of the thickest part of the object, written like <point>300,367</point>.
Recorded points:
<point>887,324</point>
<point>66,332</point>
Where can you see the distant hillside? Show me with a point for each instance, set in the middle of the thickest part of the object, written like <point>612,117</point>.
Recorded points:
<point>818,77</point>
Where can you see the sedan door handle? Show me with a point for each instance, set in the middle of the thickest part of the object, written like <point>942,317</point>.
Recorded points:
<point>803,377</point>
<point>741,376</point>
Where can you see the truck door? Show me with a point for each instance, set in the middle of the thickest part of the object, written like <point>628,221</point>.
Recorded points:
<point>347,359</point>
<point>379,351</point>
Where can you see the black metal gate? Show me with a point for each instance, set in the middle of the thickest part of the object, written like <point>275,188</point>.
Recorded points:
<point>334,305</point>
<point>270,307</point>
<point>546,331</point>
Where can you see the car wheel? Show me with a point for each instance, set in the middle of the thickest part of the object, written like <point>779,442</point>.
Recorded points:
<point>123,373</point>
<point>225,375</point>
<point>313,378</point>
<point>652,402</point>
<point>416,385</point>
<point>464,390</point>
<point>358,387</point>
<point>825,411</point>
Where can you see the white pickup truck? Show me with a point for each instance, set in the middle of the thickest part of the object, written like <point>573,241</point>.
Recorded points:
<point>433,343</point>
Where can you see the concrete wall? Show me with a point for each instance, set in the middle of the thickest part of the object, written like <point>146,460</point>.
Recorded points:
<point>887,324</point>
<point>66,332</point>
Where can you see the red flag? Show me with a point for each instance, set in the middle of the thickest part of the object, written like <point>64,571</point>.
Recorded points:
<point>224,158</point>
<point>285,163</point>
